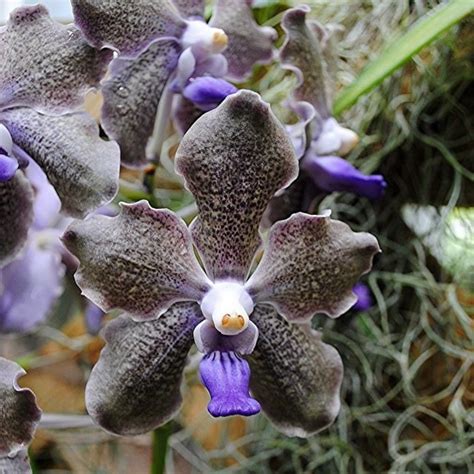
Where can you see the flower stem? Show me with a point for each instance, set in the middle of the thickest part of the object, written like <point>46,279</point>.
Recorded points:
<point>160,448</point>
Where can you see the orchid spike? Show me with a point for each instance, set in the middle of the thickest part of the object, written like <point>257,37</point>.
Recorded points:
<point>319,139</point>
<point>233,159</point>
<point>46,70</point>
<point>166,49</point>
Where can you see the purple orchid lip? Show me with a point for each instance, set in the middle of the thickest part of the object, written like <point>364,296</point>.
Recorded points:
<point>227,376</point>
<point>332,173</point>
<point>8,167</point>
<point>208,92</point>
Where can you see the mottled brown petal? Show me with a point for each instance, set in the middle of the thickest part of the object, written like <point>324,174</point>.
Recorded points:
<point>190,8</point>
<point>302,54</point>
<point>141,261</point>
<point>135,386</point>
<point>310,265</point>
<point>295,376</point>
<point>249,44</point>
<point>83,168</point>
<point>16,216</point>
<point>17,464</point>
<point>46,65</point>
<point>132,95</point>
<point>19,413</point>
<point>127,26</point>
<point>234,159</point>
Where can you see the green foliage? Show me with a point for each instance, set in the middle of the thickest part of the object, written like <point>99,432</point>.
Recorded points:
<point>398,52</point>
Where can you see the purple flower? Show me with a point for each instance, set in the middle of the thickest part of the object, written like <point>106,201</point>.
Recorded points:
<point>19,416</point>
<point>331,173</point>
<point>46,69</point>
<point>318,138</point>
<point>31,284</point>
<point>233,159</point>
<point>164,48</point>
<point>364,298</point>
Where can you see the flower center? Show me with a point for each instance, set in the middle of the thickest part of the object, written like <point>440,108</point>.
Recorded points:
<point>334,139</point>
<point>228,306</point>
<point>203,39</point>
<point>6,142</point>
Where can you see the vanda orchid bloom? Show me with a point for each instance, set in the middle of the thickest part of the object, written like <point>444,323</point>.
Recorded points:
<point>233,159</point>
<point>319,139</point>
<point>19,416</point>
<point>46,68</point>
<point>165,47</point>
<point>31,284</point>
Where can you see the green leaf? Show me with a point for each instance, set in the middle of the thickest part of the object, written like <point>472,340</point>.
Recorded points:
<point>422,33</point>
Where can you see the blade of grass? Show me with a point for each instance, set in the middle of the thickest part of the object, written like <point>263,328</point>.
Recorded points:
<point>422,33</point>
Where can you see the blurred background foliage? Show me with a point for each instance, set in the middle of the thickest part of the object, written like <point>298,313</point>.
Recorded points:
<point>408,392</point>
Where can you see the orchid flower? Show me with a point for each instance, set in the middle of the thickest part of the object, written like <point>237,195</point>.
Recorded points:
<point>19,416</point>
<point>31,284</point>
<point>364,297</point>
<point>319,139</point>
<point>233,160</point>
<point>165,47</point>
<point>45,69</point>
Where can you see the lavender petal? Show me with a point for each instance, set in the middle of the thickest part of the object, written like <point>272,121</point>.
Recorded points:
<point>31,285</point>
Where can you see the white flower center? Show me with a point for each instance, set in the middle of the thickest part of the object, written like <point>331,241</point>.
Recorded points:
<point>6,141</point>
<point>334,139</point>
<point>228,306</point>
<point>203,39</point>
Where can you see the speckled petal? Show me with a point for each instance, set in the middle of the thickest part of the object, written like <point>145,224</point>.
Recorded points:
<point>127,26</point>
<point>294,375</point>
<point>82,167</point>
<point>31,284</point>
<point>301,54</point>
<point>141,261</point>
<point>135,386</point>
<point>46,65</point>
<point>185,113</point>
<point>17,464</point>
<point>310,265</point>
<point>19,413</point>
<point>190,8</point>
<point>234,159</point>
<point>132,95</point>
<point>16,216</point>
<point>249,44</point>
